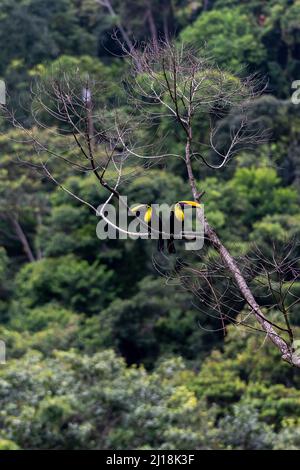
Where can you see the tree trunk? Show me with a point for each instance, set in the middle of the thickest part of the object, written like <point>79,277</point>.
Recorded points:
<point>205,5</point>
<point>169,21</point>
<point>152,26</point>
<point>22,238</point>
<point>107,4</point>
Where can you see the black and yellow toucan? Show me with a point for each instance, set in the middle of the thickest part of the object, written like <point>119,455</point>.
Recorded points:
<point>146,212</point>
<point>177,212</point>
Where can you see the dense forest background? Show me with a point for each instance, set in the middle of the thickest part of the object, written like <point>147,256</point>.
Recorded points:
<point>101,353</point>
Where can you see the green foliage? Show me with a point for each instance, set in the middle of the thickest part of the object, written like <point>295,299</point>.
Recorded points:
<point>288,438</point>
<point>243,206</point>
<point>152,323</point>
<point>8,445</point>
<point>276,228</point>
<point>258,193</point>
<point>265,35</point>
<point>242,375</point>
<point>156,186</point>
<point>3,264</point>
<point>74,401</point>
<point>44,329</point>
<point>232,35</point>
<point>244,431</point>
<point>4,282</point>
<point>51,29</point>
<point>73,282</point>
<point>290,24</point>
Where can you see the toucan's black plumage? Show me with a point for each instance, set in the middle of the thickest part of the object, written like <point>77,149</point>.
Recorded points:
<point>170,242</point>
<point>160,241</point>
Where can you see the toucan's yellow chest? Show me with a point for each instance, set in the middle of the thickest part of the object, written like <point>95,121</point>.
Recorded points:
<point>148,215</point>
<point>179,214</point>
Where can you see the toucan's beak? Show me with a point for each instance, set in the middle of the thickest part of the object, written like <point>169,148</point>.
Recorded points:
<point>139,207</point>
<point>190,203</point>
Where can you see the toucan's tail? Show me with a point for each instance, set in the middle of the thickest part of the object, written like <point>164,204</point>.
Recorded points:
<point>171,246</point>
<point>160,244</point>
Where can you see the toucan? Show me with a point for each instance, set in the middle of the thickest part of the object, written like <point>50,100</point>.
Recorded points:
<point>177,212</point>
<point>148,212</point>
